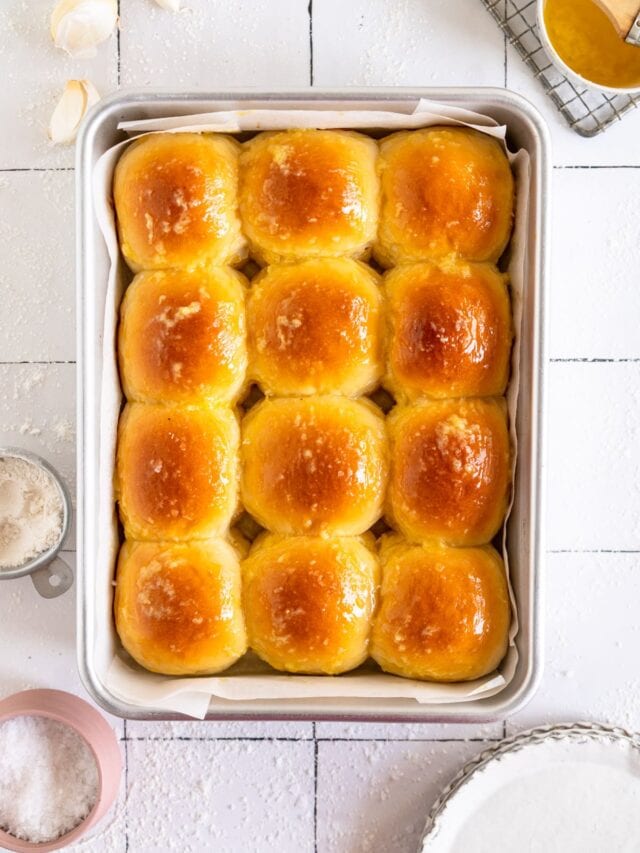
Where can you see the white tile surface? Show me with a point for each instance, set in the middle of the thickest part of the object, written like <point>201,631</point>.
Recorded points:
<point>45,654</point>
<point>592,639</point>
<point>375,797</point>
<point>225,796</point>
<point>593,475</point>
<point>226,729</point>
<point>405,43</point>
<point>594,298</point>
<point>408,731</point>
<point>37,412</point>
<point>211,46</point>
<point>33,75</point>
<point>37,265</point>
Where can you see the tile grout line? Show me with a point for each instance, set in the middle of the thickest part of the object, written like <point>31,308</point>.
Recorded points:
<point>315,790</point>
<point>40,169</point>
<point>505,49</point>
<point>310,11</point>
<point>587,360</point>
<point>126,788</point>
<point>316,739</point>
<point>593,551</point>
<point>9,363</point>
<point>118,48</point>
<point>603,166</point>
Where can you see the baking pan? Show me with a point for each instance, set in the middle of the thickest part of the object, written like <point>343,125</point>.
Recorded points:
<point>525,535</point>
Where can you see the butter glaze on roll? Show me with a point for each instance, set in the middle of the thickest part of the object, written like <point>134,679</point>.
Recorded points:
<point>445,191</point>
<point>308,602</point>
<point>182,336</point>
<point>176,201</point>
<point>444,612</point>
<point>178,606</point>
<point>315,328</point>
<point>177,471</point>
<point>450,470</point>
<point>315,465</point>
<point>309,193</point>
<point>450,331</point>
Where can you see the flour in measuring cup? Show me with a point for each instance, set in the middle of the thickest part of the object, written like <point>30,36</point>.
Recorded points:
<point>31,511</point>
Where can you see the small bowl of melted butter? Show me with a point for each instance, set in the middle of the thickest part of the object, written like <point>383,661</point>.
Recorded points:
<point>584,44</point>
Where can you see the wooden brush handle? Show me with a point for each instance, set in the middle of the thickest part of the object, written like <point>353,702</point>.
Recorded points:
<point>623,13</point>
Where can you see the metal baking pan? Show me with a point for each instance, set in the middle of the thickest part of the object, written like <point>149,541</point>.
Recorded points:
<point>525,534</point>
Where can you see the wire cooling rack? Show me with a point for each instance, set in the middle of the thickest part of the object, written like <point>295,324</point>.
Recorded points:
<point>587,112</point>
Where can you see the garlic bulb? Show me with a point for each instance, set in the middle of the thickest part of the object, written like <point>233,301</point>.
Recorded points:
<point>78,26</point>
<point>77,97</point>
<point>171,5</point>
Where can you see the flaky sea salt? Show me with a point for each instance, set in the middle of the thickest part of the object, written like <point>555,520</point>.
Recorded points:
<point>48,778</point>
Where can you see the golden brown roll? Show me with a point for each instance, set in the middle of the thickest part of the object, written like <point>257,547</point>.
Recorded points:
<point>308,602</point>
<point>444,612</point>
<point>445,190</point>
<point>309,193</point>
<point>176,201</point>
<point>315,465</point>
<point>450,470</point>
<point>450,330</point>
<point>176,471</point>
<point>315,328</point>
<point>182,336</point>
<point>178,606</point>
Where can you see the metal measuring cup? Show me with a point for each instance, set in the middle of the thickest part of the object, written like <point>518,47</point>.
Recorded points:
<point>50,574</point>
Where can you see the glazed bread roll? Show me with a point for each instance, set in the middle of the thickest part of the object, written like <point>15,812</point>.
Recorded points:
<point>444,612</point>
<point>309,193</point>
<point>176,471</point>
<point>308,602</point>
<point>315,465</point>
<point>450,331</point>
<point>445,190</point>
<point>176,201</point>
<point>315,328</point>
<point>450,470</point>
<point>182,336</point>
<point>178,606</point>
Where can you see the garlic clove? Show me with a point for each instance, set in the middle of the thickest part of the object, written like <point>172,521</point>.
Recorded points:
<point>78,26</point>
<point>77,98</point>
<point>171,5</point>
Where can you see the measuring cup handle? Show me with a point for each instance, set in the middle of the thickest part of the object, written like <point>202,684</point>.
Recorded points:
<point>54,579</point>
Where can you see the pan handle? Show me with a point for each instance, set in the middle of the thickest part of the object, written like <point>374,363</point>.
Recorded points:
<point>54,579</point>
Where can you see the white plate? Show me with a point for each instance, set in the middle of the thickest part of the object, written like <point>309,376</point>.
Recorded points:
<point>560,789</point>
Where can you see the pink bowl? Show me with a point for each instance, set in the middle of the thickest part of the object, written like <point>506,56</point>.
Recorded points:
<point>94,729</point>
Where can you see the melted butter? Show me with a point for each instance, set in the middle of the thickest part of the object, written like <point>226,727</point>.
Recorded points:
<point>587,41</point>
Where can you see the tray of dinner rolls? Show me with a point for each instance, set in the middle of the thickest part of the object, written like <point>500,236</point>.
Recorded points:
<point>311,404</point>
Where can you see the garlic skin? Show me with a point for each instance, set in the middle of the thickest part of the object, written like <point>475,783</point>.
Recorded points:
<point>78,96</point>
<point>171,5</point>
<point>78,26</point>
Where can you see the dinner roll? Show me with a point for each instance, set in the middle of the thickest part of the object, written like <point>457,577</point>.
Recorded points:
<point>309,193</point>
<point>315,465</point>
<point>450,331</point>
<point>445,190</point>
<point>176,201</point>
<point>314,328</point>
<point>444,612</point>
<point>178,606</point>
<point>450,470</point>
<point>176,471</point>
<point>308,602</point>
<point>182,336</point>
